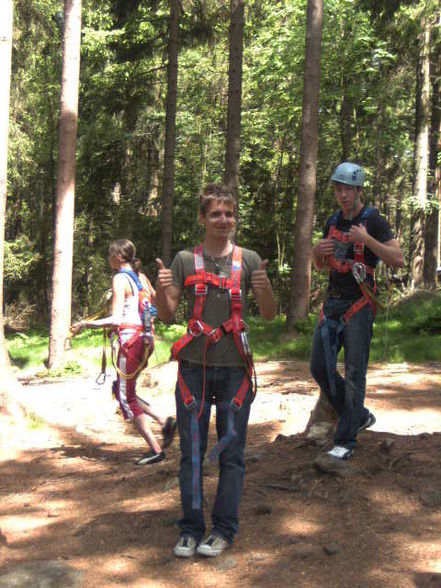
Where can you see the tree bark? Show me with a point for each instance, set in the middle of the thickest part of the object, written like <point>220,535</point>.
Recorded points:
<point>170,136</point>
<point>64,215</point>
<point>346,122</point>
<point>6,11</point>
<point>431,240</point>
<point>421,157</point>
<point>232,151</point>
<point>301,273</point>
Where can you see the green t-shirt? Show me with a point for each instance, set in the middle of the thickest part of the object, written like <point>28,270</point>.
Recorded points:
<point>217,305</point>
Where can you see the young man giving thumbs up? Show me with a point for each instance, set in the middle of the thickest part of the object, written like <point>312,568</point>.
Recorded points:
<point>215,365</point>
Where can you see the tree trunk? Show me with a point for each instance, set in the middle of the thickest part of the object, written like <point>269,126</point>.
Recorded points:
<point>421,157</point>
<point>346,122</point>
<point>322,420</point>
<point>152,196</point>
<point>170,136</point>
<point>6,11</point>
<point>431,244</point>
<point>379,163</point>
<point>232,151</point>
<point>301,273</point>
<point>64,215</point>
<point>9,409</point>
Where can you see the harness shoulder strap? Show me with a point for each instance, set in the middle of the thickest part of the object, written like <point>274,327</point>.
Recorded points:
<point>134,277</point>
<point>335,218</point>
<point>367,212</point>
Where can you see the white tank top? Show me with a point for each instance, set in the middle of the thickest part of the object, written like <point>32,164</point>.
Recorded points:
<point>130,312</point>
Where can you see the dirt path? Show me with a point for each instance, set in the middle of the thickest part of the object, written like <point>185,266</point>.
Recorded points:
<point>72,496</point>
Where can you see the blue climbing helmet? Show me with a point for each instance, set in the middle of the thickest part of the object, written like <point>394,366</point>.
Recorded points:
<point>348,173</point>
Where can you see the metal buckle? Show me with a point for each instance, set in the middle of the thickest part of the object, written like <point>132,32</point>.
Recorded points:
<point>200,289</point>
<point>245,344</point>
<point>101,378</point>
<point>222,282</point>
<point>214,335</point>
<point>192,405</point>
<point>359,272</point>
<point>198,332</point>
<point>234,405</point>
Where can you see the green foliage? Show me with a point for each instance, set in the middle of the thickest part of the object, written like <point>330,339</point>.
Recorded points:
<point>34,421</point>
<point>28,350</point>
<point>410,331</point>
<point>367,113</point>
<point>70,369</point>
<point>420,314</point>
<point>20,260</point>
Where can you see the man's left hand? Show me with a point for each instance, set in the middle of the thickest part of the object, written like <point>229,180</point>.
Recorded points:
<point>358,234</point>
<point>259,278</point>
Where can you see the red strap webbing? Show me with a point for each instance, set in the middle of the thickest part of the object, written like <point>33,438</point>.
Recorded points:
<point>353,309</point>
<point>187,397</point>
<point>345,266</point>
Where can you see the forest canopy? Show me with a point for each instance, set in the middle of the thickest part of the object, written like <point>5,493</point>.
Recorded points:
<point>369,112</point>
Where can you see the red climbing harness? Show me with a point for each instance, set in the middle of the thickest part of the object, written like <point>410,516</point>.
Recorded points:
<point>357,266</point>
<point>201,280</point>
<point>147,313</point>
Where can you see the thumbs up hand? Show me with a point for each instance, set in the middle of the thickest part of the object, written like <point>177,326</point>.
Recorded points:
<point>165,276</point>
<point>259,278</point>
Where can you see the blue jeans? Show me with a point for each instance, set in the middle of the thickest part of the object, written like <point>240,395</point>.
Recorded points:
<point>346,394</point>
<point>221,386</point>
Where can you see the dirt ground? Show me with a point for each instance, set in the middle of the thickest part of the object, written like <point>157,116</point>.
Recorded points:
<point>70,492</point>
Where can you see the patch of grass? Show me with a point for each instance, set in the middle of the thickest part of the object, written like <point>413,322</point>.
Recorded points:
<point>34,422</point>
<point>28,349</point>
<point>270,341</point>
<point>410,331</point>
<point>70,369</point>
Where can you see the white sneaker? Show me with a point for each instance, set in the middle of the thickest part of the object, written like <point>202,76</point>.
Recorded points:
<point>340,452</point>
<point>185,547</point>
<point>214,545</point>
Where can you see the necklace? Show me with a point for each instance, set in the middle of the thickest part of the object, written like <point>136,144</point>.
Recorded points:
<point>220,263</point>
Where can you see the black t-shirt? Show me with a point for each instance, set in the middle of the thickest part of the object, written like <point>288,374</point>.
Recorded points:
<point>376,225</point>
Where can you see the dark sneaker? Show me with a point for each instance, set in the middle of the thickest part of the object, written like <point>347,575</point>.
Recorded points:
<point>185,547</point>
<point>340,452</point>
<point>214,545</point>
<point>168,431</point>
<point>151,457</point>
<point>370,420</point>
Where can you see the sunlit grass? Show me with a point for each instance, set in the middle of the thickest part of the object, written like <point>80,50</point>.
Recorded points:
<point>410,331</point>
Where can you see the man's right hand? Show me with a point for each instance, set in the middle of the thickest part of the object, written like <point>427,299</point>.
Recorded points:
<point>321,252</point>
<point>165,276</point>
<point>76,328</point>
<point>324,247</point>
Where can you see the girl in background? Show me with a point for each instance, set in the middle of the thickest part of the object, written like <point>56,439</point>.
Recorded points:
<point>135,345</point>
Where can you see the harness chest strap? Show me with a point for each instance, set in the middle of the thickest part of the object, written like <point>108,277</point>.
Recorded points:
<point>201,280</point>
<point>345,266</point>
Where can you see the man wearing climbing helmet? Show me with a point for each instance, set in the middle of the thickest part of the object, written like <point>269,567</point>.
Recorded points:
<point>354,240</point>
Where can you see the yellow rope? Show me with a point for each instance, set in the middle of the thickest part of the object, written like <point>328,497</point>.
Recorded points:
<point>367,291</point>
<point>103,311</point>
<point>139,369</point>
